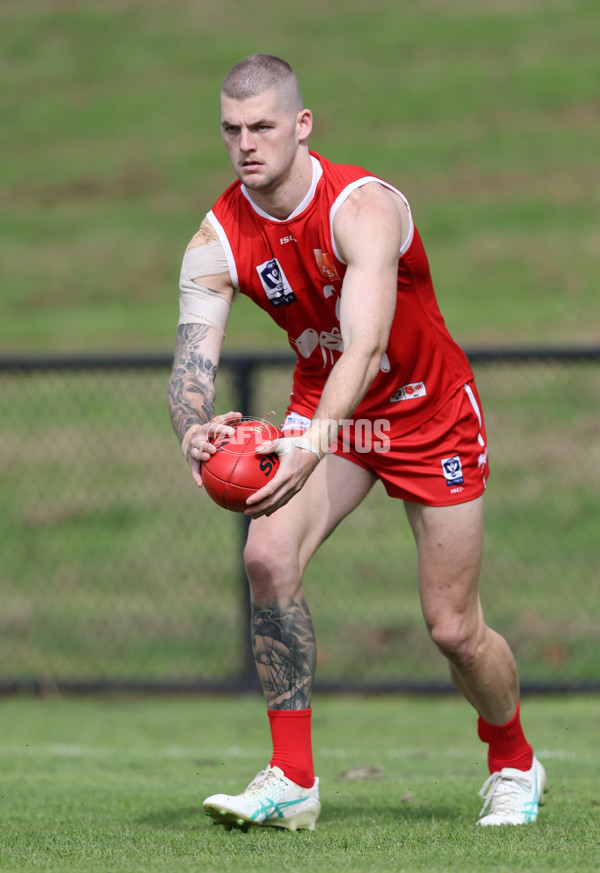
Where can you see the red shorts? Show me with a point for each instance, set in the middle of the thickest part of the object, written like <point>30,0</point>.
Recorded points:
<point>441,463</point>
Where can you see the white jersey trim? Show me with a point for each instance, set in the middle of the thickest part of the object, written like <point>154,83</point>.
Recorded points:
<point>341,198</point>
<point>226,247</point>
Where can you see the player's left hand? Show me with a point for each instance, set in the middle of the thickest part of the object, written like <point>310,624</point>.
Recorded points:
<point>297,461</point>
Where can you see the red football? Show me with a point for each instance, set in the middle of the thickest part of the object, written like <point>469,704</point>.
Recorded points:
<point>235,471</point>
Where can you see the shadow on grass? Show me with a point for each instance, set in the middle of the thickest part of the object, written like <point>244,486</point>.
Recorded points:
<point>345,814</point>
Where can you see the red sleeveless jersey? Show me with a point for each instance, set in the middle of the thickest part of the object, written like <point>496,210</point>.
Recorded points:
<point>293,271</point>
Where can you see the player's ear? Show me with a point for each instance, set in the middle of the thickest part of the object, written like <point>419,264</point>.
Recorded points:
<point>304,124</point>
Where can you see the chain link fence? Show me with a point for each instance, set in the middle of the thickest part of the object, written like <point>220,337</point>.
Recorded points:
<point>117,572</point>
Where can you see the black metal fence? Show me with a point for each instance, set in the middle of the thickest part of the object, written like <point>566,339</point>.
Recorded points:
<point>116,572</point>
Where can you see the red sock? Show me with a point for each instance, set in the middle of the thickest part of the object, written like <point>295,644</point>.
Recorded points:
<point>508,746</point>
<point>292,745</point>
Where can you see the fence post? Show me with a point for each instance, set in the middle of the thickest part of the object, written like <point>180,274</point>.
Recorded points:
<point>244,374</point>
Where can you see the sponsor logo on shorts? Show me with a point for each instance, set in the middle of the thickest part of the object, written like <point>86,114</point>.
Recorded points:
<point>277,287</point>
<point>409,392</point>
<point>452,471</point>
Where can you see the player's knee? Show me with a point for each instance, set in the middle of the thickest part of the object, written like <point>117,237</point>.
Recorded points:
<point>272,569</point>
<point>456,640</point>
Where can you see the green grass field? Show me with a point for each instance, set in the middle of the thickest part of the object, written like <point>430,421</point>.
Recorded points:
<point>116,785</point>
<point>486,116</point>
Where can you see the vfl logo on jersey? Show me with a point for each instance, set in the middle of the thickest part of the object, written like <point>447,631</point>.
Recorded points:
<point>277,287</point>
<point>326,265</point>
<point>452,471</point>
<point>409,392</point>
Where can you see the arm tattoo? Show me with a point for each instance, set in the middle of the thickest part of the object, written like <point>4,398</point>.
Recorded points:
<point>285,652</point>
<point>191,392</point>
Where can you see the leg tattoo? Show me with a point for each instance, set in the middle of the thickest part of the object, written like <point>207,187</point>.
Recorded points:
<point>285,652</point>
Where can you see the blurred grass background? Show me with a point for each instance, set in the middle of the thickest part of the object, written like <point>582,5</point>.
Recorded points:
<point>485,115</point>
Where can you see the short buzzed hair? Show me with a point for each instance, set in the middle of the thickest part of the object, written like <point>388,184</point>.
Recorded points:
<point>259,73</point>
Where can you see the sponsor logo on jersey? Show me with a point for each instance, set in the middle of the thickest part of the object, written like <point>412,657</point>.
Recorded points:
<point>330,343</point>
<point>277,287</point>
<point>326,265</point>
<point>452,471</point>
<point>409,392</point>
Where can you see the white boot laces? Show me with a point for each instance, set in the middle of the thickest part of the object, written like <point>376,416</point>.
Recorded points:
<point>260,780</point>
<point>500,792</point>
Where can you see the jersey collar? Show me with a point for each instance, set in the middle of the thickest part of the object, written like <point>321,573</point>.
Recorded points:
<point>317,172</point>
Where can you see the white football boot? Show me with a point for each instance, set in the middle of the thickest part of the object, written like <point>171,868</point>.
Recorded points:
<point>271,800</point>
<point>514,796</point>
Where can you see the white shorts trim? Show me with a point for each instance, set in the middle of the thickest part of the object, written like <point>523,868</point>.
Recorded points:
<point>475,406</point>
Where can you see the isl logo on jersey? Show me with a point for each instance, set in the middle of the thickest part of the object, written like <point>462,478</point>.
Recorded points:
<point>276,286</point>
<point>452,471</point>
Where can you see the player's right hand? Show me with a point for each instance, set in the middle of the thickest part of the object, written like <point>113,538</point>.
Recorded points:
<point>197,445</point>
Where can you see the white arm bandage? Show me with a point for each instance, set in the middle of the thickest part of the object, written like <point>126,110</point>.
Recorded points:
<point>286,444</point>
<point>198,303</point>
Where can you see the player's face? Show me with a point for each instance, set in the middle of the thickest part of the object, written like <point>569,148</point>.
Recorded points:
<point>262,138</point>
